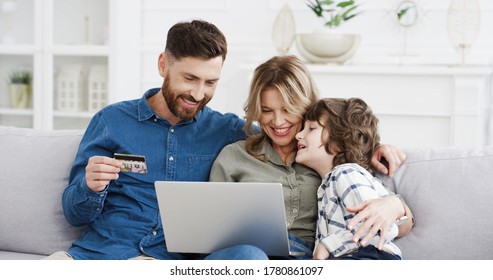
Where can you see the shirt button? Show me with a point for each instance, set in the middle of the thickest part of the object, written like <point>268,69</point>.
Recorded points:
<point>295,210</point>
<point>172,130</point>
<point>154,232</point>
<point>288,224</point>
<point>171,158</point>
<point>155,119</point>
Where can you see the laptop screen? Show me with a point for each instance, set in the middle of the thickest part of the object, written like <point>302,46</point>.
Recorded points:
<point>203,217</point>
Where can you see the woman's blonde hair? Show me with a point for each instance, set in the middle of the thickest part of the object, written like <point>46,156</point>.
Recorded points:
<point>291,78</point>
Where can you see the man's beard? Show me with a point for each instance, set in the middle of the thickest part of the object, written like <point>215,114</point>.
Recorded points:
<point>173,102</point>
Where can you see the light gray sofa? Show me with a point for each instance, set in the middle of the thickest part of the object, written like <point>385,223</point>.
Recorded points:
<point>450,191</point>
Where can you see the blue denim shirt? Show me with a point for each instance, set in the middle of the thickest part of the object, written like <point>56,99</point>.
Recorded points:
<point>123,220</point>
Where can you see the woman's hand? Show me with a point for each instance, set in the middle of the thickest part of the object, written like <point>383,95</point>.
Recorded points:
<point>376,215</point>
<point>391,154</point>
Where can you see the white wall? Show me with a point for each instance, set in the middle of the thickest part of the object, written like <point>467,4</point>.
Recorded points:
<point>248,26</point>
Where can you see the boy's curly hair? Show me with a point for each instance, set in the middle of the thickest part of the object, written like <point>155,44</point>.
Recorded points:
<point>350,129</point>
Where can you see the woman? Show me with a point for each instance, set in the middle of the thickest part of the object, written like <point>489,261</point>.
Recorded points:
<point>281,91</point>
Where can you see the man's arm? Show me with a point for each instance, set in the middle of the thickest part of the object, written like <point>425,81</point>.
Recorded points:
<point>83,199</point>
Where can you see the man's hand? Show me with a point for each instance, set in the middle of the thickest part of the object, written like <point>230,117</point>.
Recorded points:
<point>391,154</point>
<point>100,171</point>
<point>321,253</point>
<point>376,215</point>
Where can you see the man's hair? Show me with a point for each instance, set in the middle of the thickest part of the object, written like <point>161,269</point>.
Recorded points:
<point>289,75</point>
<point>351,129</point>
<point>197,38</point>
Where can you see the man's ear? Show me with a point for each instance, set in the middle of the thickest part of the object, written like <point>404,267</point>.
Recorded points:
<point>162,64</point>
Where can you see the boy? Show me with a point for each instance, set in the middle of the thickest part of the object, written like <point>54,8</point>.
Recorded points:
<point>338,141</point>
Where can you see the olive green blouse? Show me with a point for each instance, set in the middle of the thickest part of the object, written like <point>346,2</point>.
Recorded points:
<point>299,183</point>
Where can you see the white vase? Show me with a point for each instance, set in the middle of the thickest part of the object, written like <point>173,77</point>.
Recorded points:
<point>327,47</point>
<point>283,30</point>
<point>20,96</point>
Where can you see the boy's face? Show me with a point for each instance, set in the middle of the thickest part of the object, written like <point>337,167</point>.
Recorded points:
<point>311,149</point>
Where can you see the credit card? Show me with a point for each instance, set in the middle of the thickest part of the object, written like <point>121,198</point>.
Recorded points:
<point>132,163</point>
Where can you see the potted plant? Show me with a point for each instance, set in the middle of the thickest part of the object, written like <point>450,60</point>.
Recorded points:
<point>20,89</point>
<point>334,13</point>
<point>322,46</point>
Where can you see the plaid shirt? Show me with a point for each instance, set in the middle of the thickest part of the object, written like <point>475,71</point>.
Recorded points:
<point>347,185</point>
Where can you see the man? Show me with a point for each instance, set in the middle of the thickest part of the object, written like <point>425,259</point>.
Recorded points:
<point>179,138</point>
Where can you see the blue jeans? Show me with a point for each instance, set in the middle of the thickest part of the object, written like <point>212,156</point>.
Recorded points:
<point>369,252</point>
<point>238,252</point>
<point>299,248</point>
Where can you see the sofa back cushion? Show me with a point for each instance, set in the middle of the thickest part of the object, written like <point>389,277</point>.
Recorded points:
<point>34,171</point>
<point>450,191</point>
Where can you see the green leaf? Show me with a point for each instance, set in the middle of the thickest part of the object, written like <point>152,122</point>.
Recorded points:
<point>336,12</point>
<point>316,7</point>
<point>20,77</point>
<point>402,12</point>
<point>345,4</point>
<point>346,14</point>
<point>328,2</point>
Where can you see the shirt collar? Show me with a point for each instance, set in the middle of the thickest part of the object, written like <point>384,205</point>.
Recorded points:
<point>271,155</point>
<point>145,111</point>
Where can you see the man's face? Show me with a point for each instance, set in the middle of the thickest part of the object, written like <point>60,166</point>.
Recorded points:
<point>189,84</point>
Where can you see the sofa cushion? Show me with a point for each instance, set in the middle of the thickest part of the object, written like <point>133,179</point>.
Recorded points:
<point>450,191</point>
<point>34,171</point>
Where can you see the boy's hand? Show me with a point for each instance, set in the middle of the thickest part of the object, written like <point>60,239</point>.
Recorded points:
<point>321,253</point>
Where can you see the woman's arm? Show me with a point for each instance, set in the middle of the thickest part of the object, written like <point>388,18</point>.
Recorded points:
<point>349,185</point>
<point>378,215</point>
<point>224,166</point>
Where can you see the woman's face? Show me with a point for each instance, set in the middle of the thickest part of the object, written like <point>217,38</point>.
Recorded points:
<point>280,125</point>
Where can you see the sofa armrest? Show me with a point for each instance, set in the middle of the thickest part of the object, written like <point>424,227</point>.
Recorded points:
<point>34,171</point>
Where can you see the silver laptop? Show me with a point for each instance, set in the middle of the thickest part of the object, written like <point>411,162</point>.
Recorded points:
<point>203,217</point>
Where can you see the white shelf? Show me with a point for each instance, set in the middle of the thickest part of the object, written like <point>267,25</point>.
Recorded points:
<point>43,48</point>
<point>16,112</point>
<point>381,69</point>
<point>17,49</point>
<point>417,105</point>
<point>412,70</point>
<point>81,50</point>
<point>77,115</point>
